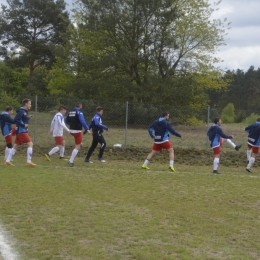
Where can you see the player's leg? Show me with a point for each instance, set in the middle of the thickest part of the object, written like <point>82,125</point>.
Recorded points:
<point>156,148</point>
<point>13,150</point>
<point>249,151</point>
<point>103,144</point>
<point>29,154</point>
<point>91,148</point>
<point>216,151</point>
<point>78,141</point>
<point>9,146</point>
<point>58,141</point>
<point>233,145</point>
<point>255,151</point>
<point>62,149</point>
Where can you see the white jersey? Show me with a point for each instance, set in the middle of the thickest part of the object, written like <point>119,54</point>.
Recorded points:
<point>57,125</point>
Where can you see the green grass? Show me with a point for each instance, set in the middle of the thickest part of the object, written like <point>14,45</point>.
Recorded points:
<point>117,210</point>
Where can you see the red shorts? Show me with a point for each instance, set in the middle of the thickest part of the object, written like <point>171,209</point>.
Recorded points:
<point>22,138</point>
<point>216,150</point>
<point>8,139</point>
<point>255,149</point>
<point>59,140</point>
<point>158,147</point>
<point>13,131</point>
<point>77,137</point>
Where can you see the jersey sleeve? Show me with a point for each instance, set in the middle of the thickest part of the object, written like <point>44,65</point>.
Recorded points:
<point>221,134</point>
<point>62,123</point>
<point>98,124</point>
<point>151,130</point>
<point>82,121</point>
<point>18,117</point>
<point>172,131</point>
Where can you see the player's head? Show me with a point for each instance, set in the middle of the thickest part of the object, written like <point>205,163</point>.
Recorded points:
<point>27,103</point>
<point>9,110</point>
<point>166,115</point>
<point>99,110</point>
<point>78,105</point>
<point>258,119</point>
<point>62,110</point>
<point>217,121</point>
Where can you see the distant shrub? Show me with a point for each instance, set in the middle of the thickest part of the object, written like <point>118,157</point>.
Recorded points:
<point>6,100</point>
<point>240,116</point>
<point>228,114</point>
<point>193,121</point>
<point>251,119</point>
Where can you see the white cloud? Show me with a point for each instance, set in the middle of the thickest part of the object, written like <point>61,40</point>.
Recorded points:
<point>243,40</point>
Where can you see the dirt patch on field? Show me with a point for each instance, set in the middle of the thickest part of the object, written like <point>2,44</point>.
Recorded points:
<point>182,156</point>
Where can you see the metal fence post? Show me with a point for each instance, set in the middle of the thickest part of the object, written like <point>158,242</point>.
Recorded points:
<point>126,122</point>
<point>35,120</point>
<point>207,141</point>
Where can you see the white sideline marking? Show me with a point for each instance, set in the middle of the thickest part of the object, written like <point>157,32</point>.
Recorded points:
<point>5,249</point>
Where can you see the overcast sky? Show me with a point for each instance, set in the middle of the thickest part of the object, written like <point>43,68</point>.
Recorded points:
<point>243,40</point>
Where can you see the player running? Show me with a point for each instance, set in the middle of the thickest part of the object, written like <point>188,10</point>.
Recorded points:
<point>75,119</point>
<point>97,130</point>
<point>6,127</point>
<point>22,137</point>
<point>253,143</point>
<point>217,138</point>
<point>159,131</point>
<point>57,126</point>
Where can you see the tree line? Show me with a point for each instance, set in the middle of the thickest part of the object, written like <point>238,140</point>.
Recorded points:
<point>148,51</point>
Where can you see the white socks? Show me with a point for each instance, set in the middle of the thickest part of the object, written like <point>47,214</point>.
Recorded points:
<point>146,162</point>
<point>73,155</point>
<point>171,162</point>
<point>53,150</point>
<point>10,155</point>
<point>29,154</point>
<point>231,143</point>
<point>7,151</point>
<point>62,151</point>
<point>251,162</point>
<point>215,164</point>
<point>248,153</point>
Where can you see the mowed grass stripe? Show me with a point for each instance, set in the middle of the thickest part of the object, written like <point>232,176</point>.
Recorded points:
<point>104,211</point>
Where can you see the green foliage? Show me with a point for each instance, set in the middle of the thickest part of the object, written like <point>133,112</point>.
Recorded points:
<point>228,114</point>
<point>13,81</point>
<point>193,121</point>
<point>35,27</point>
<point>251,119</point>
<point>240,115</point>
<point>6,100</point>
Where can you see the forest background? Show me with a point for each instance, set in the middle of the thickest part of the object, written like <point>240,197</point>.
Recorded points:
<point>146,51</point>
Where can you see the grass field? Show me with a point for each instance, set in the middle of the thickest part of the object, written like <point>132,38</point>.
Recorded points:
<point>117,210</point>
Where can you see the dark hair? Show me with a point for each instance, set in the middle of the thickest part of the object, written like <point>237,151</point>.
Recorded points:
<point>62,108</point>
<point>9,108</point>
<point>78,104</point>
<point>25,101</point>
<point>258,119</point>
<point>99,109</point>
<point>164,114</point>
<point>216,119</point>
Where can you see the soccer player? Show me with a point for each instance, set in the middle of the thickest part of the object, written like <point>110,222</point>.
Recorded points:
<point>57,126</point>
<point>97,130</point>
<point>253,143</point>
<point>217,138</point>
<point>6,128</point>
<point>159,131</point>
<point>22,137</point>
<point>75,119</point>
